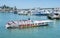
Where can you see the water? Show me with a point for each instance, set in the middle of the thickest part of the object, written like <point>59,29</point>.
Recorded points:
<point>51,31</point>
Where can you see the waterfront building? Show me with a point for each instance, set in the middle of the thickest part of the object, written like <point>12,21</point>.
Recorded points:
<point>5,8</point>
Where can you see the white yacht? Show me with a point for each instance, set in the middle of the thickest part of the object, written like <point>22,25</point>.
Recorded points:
<point>54,16</point>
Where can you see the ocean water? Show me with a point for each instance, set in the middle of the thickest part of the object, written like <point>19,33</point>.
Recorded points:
<point>50,31</point>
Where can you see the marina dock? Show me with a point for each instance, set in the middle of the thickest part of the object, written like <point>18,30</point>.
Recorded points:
<point>32,11</point>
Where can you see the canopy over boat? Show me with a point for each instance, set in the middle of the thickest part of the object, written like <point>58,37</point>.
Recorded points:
<point>43,21</point>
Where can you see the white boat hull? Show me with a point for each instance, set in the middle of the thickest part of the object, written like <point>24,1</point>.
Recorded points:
<point>28,23</point>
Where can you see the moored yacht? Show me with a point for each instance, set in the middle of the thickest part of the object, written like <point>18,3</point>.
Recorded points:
<point>22,13</point>
<point>54,16</point>
<point>39,13</point>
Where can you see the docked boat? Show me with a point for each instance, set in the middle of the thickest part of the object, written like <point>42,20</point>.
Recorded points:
<point>54,16</point>
<point>40,13</point>
<point>26,23</point>
<point>22,13</point>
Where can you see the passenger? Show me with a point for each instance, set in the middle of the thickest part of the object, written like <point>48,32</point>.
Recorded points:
<point>9,24</point>
<point>13,22</point>
<point>28,18</point>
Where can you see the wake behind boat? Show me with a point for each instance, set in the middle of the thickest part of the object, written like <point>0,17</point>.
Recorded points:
<point>27,23</point>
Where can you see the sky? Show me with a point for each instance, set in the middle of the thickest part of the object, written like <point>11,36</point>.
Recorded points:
<point>24,4</point>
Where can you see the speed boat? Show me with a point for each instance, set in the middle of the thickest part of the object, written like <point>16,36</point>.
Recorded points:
<point>27,23</point>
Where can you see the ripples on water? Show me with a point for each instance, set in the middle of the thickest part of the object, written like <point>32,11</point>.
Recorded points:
<point>51,31</point>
